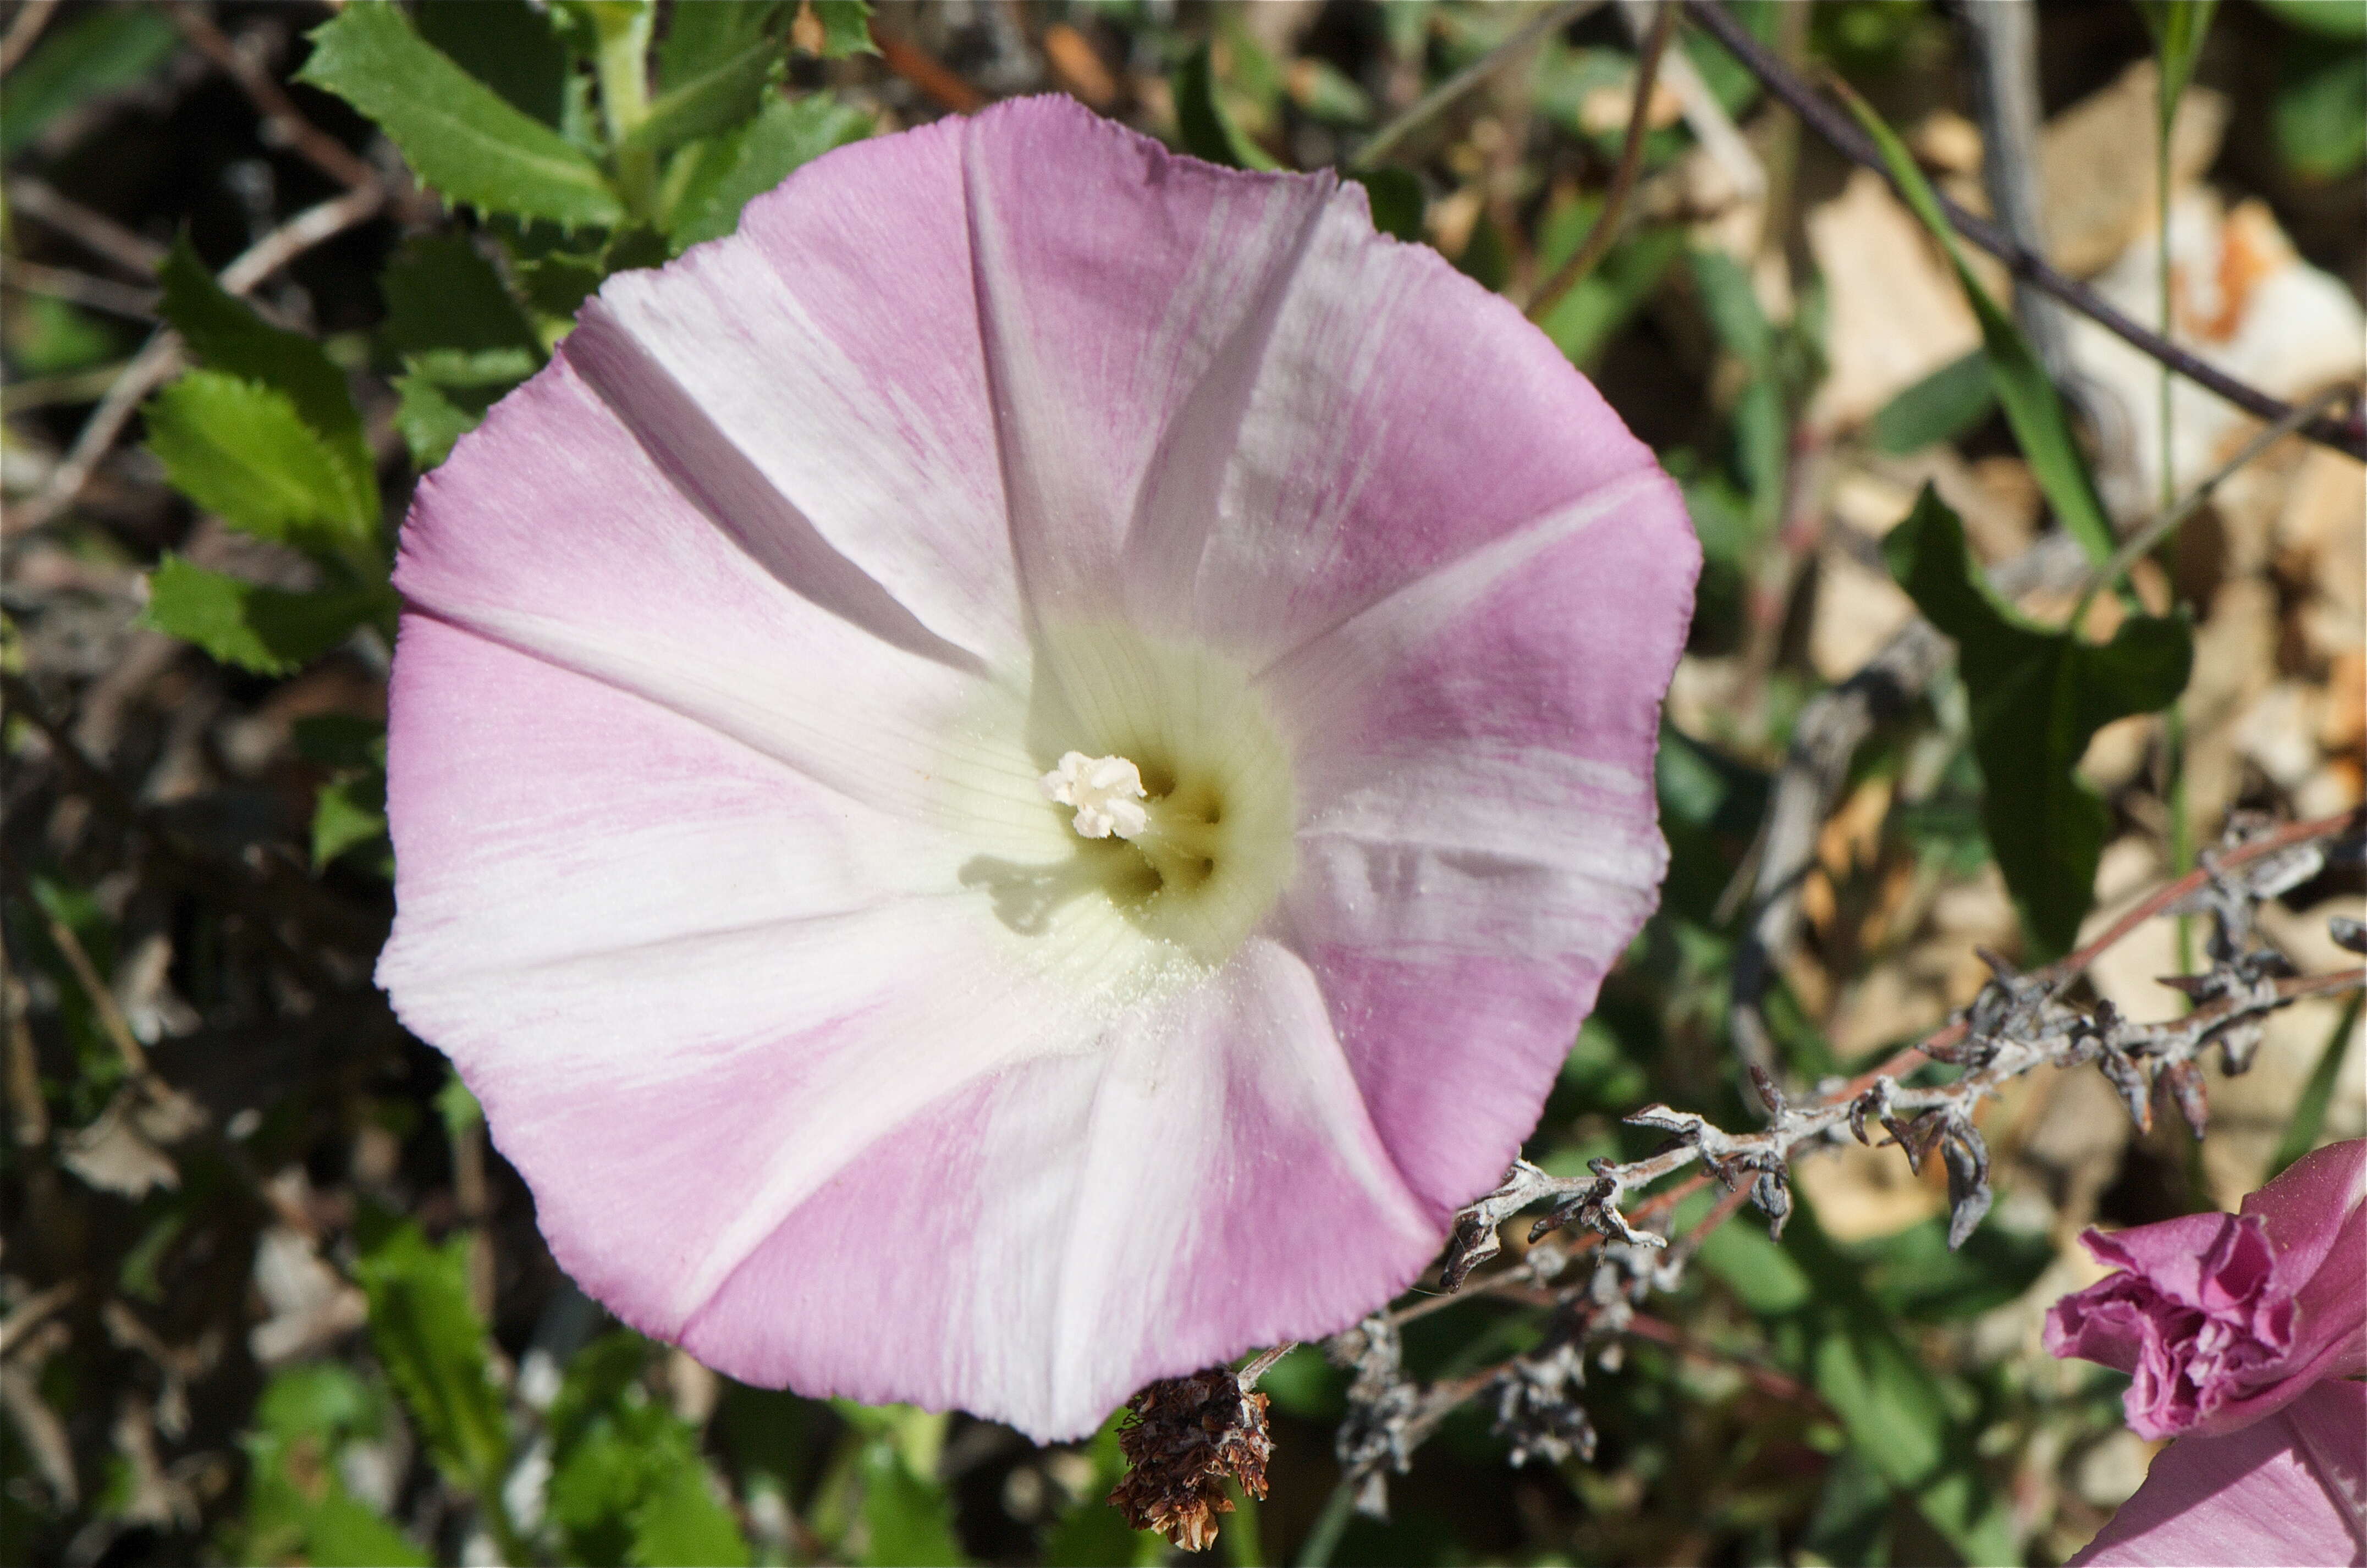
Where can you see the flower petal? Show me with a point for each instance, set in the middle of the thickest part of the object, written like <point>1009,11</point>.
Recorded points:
<point>1204,1182</point>
<point>1485,845</point>
<point>1090,383</point>
<point>830,344</point>
<point>2291,1489</point>
<point>644,588</point>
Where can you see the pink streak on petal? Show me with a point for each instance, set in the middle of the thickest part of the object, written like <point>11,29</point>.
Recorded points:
<point>1401,418</point>
<point>1484,845</point>
<point>1203,1184</point>
<point>833,342</point>
<point>1105,319</point>
<point>2288,1490</point>
<point>551,530</point>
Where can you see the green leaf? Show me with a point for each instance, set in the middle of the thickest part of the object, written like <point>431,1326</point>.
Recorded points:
<point>104,48</point>
<point>459,135</point>
<point>730,171</point>
<point>225,334</point>
<point>1395,196</point>
<point>1583,323</point>
<point>1915,1275</point>
<point>441,293</point>
<point>2309,1112</point>
<point>680,1522</point>
<point>347,813</point>
<point>2327,18</point>
<point>906,1516</point>
<point>1942,406</point>
<point>845,27</point>
<point>713,70</point>
<point>508,45</point>
<point>2319,114</point>
<point>268,630</point>
<point>241,450</point>
<point>2031,405</point>
<point>445,393</point>
<point>2037,696</point>
<point>432,1345</point>
<point>2178,27</point>
<point>1900,1417</point>
<point>1206,130</point>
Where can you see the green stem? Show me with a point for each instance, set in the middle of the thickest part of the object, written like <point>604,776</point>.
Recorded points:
<point>623,66</point>
<point>1324,1539</point>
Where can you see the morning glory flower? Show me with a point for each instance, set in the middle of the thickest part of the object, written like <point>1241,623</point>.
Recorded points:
<point>1013,781</point>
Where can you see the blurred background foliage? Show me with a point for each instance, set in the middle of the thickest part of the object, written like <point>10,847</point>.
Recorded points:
<point>270,1296</point>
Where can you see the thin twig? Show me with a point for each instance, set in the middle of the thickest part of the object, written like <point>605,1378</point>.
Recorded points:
<point>2006,35</point>
<point>96,232</point>
<point>283,123</point>
<point>1705,115</point>
<point>1600,238</point>
<point>2141,541</point>
<point>111,1022</point>
<point>157,363</point>
<point>2349,435</point>
<point>24,32</point>
<point>79,288</point>
<point>1431,104</point>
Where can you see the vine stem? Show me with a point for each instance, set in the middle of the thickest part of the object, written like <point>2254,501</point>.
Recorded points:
<point>2349,435</point>
<point>1606,231</point>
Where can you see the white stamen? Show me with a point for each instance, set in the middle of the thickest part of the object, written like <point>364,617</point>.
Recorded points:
<point>1107,790</point>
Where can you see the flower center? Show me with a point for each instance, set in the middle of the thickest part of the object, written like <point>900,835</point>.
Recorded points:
<point>1173,804</point>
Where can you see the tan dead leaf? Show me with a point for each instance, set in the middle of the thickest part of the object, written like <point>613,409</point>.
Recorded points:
<point>1896,313</point>
<point>2096,166</point>
<point>1078,66</point>
<point>1858,609</point>
<point>1861,1193</point>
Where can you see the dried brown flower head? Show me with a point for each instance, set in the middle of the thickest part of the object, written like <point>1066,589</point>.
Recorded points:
<point>1183,1438</point>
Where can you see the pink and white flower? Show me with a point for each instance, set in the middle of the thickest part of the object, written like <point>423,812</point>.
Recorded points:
<point>2247,1333</point>
<point>745,871</point>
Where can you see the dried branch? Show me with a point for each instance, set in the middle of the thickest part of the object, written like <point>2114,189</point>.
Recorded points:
<point>2005,35</point>
<point>1605,230</point>
<point>2349,435</point>
<point>157,363</point>
<point>283,123</point>
<point>2018,1023</point>
<point>24,32</point>
<point>95,232</point>
<point>81,288</point>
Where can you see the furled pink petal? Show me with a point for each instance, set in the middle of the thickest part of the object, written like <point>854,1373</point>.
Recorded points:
<point>2287,1490</point>
<point>739,640</point>
<point>2224,1319</point>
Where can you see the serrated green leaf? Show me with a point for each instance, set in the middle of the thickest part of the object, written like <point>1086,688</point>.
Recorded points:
<point>225,334</point>
<point>241,450</point>
<point>1395,197</point>
<point>845,27</point>
<point>460,136</point>
<point>346,813</point>
<point>730,170</point>
<point>1942,406</point>
<point>508,45</point>
<point>1205,129</point>
<point>680,1523</point>
<point>432,1345</point>
<point>713,70</point>
<point>268,630</point>
<point>908,1521</point>
<point>445,394</point>
<point>442,293</point>
<point>2031,405</point>
<point>104,48</point>
<point>2038,696</point>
